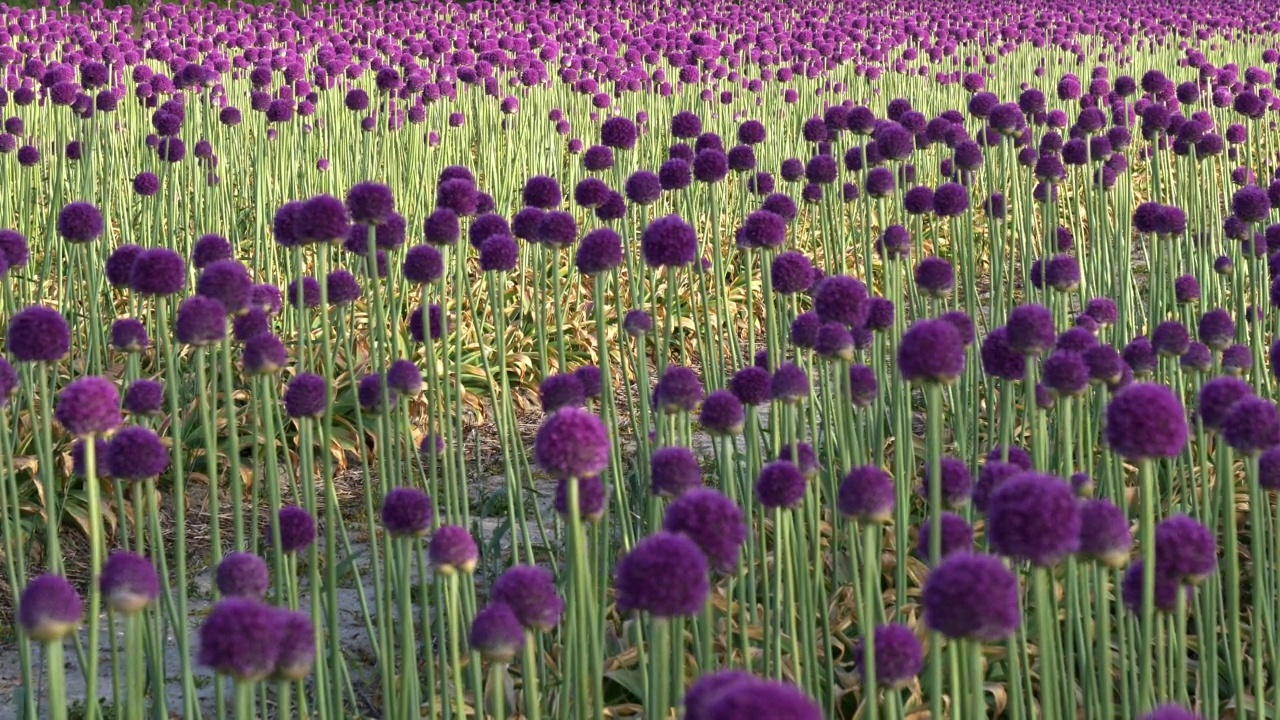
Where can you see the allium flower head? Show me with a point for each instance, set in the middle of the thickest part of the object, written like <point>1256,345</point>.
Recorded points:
<point>841,299</point>
<point>1104,533</point>
<point>971,597</point>
<point>957,536</point>
<point>297,529</point>
<point>760,698</point>
<point>370,203</point>
<point>88,406</point>
<point>242,575</point>
<point>452,549</point>
<point>931,351</point>
<point>79,222</point>
<point>1185,550</point>
<point>306,396</point>
<point>674,471</point>
<point>957,482</point>
<point>297,651</point>
<point>1166,590</point>
<point>136,453</point>
<point>530,592</point>
<point>678,562</point>
<point>158,271</point>
<point>669,242</point>
<point>751,385</point>
<point>678,390</point>
<point>1146,421</point>
<point>1252,425</point>
<point>1030,329</point>
<point>592,497</point>
<point>407,512</point>
<point>1170,712</point>
<point>128,582</point>
<point>899,658</point>
<point>496,633</point>
<point>49,609</point>
<point>200,321</point>
<point>242,638</point>
<point>572,442</point>
<point>38,334</point>
<point>780,484</point>
<point>713,522</point>
<point>1035,518</point>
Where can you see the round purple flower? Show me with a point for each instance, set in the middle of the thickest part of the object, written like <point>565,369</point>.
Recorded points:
<point>38,334</point>
<point>542,192</point>
<point>592,496</point>
<point>1030,329</point>
<point>242,575</point>
<point>79,222</point>
<point>146,184</point>
<point>681,566</point>
<point>957,536</point>
<point>1104,533</point>
<point>762,229</point>
<point>208,249</point>
<point>643,187</point>
<point>1252,425</point>
<point>200,321</point>
<point>127,335</point>
<point>618,132</point>
<point>935,276</point>
<point>1146,421</point>
<point>306,396</point>
<point>1066,373</point>
<point>957,482</point>
<point>863,386</point>
<point>1185,550</point>
<point>1169,712</point>
<point>297,529</point>
<point>458,195</point>
<point>999,359</point>
<point>780,485</point>
<point>674,471</point>
<point>407,512</point>
<point>572,443</point>
<point>1216,329</point>
<point>898,656</point>
<point>789,384</point>
<point>136,453</point>
<point>530,592</point>
<point>758,698</point>
<point>678,390</point>
<point>452,549</point>
<point>751,385</point>
<point>841,299</point>
<point>1251,204</point>
<point>931,351</point>
<point>496,633</point>
<point>158,271</point>
<point>369,203</point>
<point>971,597</point>
<point>242,638</point>
<point>144,397</point>
<point>713,522</point>
<point>88,406</point>
<point>950,200</point>
<point>1166,591</point>
<point>1034,517</point>
<point>49,609</point>
<point>128,582</point>
<point>669,242</point>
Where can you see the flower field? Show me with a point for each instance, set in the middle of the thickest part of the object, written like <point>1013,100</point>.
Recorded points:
<point>705,360</point>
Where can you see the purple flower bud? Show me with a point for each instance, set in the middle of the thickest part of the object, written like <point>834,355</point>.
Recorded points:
<point>971,597</point>
<point>1146,421</point>
<point>242,575</point>
<point>680,564</point>
<point>530,592</point>
<point>242,638</point>
<point>957,536</point>
<point>1034,517</point>
<point>49,609</point>
<point>128,582</point>
<point>407,512</point>
<point>496,633</point>
<point>572,443</point>
<point>452,549</point>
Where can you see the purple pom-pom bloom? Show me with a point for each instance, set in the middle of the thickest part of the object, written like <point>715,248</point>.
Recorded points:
<point>592,496</point>
<point>999,359</point>
<point>867,495</point>
<point>678,390</point>
<point>79,222</point>
<point>572,443</point>
<point>128,582</point>
<point>1104,533</point>
<point>158,271</point>
<point>228,282</point>
<point>841,299</point>
<point>88,406</point>
<point>297,528</point>
<point>200,321</point>
<point>136,453</point>
<point>1185,550</point>
<point>669,242</point>
<point>1252,425</point>
<point>957,482</point>
<point>306,396</point>
<point>898,656</point>
<point>751,385</point>
<point>49,609</point>
<point>713,522</point>
<point>780,485</point>
<point>407,512</point>
<point>242,575</point>
<point>242,638</point>
<point>530,592</point>
<point>931,351</point>
<point>677,562</point>
<point>496,633</point>
<point>1146,421</point>
<point>1030,329</point>
<point>452,549</point>
<point>1034,517</point>
<point>370,203</point>
<point>971,597</point>
<point>38,334</point>
<point>674,471</point>
<point>759,698</point>
<point>957,536</point>
<point>1166,591</point>
<point>297,651</point>
<point>722,414</point>
<point>1170,712</point>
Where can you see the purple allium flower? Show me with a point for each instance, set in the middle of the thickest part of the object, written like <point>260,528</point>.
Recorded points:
<point>423,264</point>
<point>49,609</point>
<point>935,276</point>
<point>458,195</point>
<point>780,485</point>
<point>713,522</point>
<point>530,592</point>
<point>572,443</point>
<point>228,282</point>
<point>8,382</point>
<point>993,474</point>
<point>950,200</point>
<point>1170,338</point>
<point>1105,365</point>
<point>1166,590</point>
<point>678,561</point>
<point>1140,356</point>
<point>79,222</point>
<point>1102,310</point>
<point>242,575</point>
<point>751,385</point>
<point>1185,550</point>
<point>931,351</point>
<point>372,389</point>
<point>957,482</point>
<point>643,187</point>
<point>841,299</point>
<point>1169,712</point>
<point>1030,329</point>
<point>1066,373</point>
<point>894,243</point>
<point>722,414</point>
<point>898,656</point>
<point>762,229</point>
<point>38,334</point>
<point>297,529</point>
<point>1104,533</point>
<point>1251,425</point>
<point>158,271</point>
<point>200,321</point>
<point>146,184</point>
<point>1197,358</point>
<point>957,536</point>
<point>999,359</point>
<point>867,495</point>
<point>242,638</point>
<point>592,496</point>
<point>709,687</point>
<point>1237,359</point>
<point>441,227</point>
<point>674,471</point>
<point>264,353</point>
<point>557,229</point>
<point>562,390</point>
<point>833,341</point>
<point>341,287</point>
<point>136,453</point>
<point>297,652</point>
<point>306,396</point>
<point>678,390</point>
<point>127,335</point>
<point>637,323</point>
<point>407,512</point>
<point>1146,421</point>
<point>758,698</point>
<point>804,329</point>
<point>1186,289</point>
<point>499,253</point>
<point>1034,517</point>
<point>13,249</point>
<point>128,582</point>
<point>88,406</point>
<point>599,251</point>
<point>863,387</point>
<point>542,192</point>
<point>496,633</point>
<point>789,384</point>
<point>1216,329</point>
<point>452,549</point>
<point>369,203</point>
<point>208,249</point>
<point>1251,204</point>
<point>669,242</point>
<point>971,597</point>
